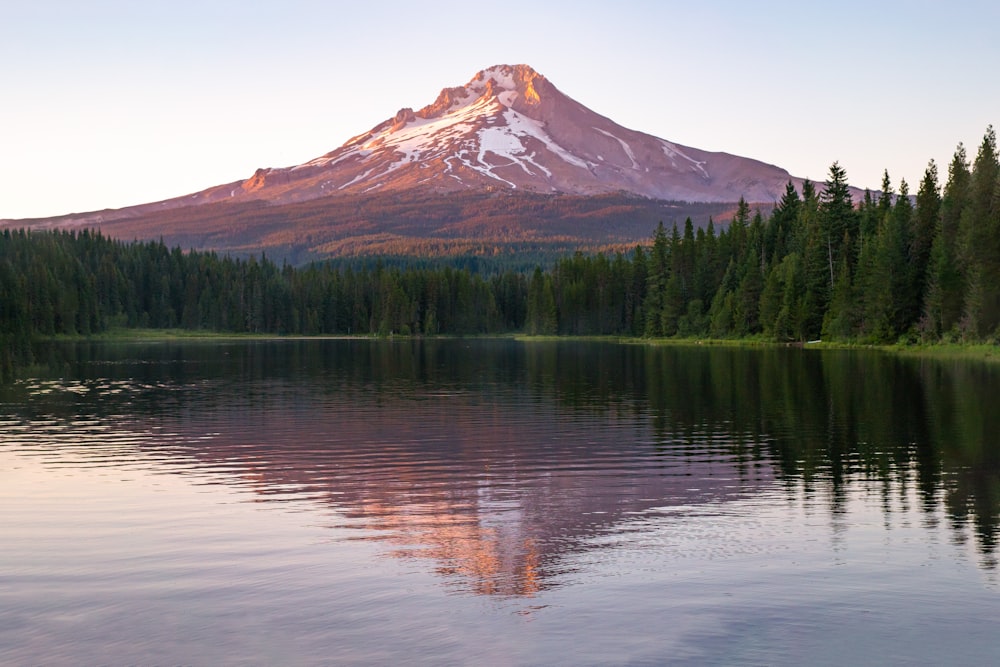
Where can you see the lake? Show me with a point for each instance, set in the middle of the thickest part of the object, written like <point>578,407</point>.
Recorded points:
<point>497,502</point>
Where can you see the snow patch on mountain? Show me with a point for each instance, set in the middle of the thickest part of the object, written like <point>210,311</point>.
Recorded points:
<point>625,147</point>
<point>414,137</point>
<point>503,75</point>
<point>528,127</point>
<point>356,179</point>
<point>673,152</point>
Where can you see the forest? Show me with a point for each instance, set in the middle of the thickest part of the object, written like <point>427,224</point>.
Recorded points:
<point>892,267</point>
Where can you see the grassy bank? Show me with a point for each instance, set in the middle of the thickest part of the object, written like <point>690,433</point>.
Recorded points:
<point>972,351</point>
<point>977,351</point>
<point>154,335</point>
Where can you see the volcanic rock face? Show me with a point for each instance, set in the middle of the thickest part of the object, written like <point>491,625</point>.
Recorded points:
<point>509,127</point>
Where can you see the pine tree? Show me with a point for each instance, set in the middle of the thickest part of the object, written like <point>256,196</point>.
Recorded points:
<point>542,317</point>
<point>656,282</point>
<point>979,245</point>
<point>677,292</point>
<point>902,275</point>
<point>817,288</point>
<point>706,267</point>
<point>946,280</point>
<point>780,228</point>
<point>841,318</point>
<point>926,219</point>
<point>635,313</point>
<point>720,314</point>
<point>746,302</point>
<point>838,220</point>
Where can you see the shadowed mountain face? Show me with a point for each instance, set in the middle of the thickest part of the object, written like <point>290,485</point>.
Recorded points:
<point>507,131</point>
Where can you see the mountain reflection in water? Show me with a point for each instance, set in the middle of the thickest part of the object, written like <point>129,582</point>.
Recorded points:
<point>495,460</point>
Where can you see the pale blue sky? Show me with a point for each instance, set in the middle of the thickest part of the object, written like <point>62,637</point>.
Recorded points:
<point>111,103</point>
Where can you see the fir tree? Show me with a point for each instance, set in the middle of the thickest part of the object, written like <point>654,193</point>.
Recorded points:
<point>925,225</point>
<point>946,280</point>
<point>656,282</point>
<point>838,220</point>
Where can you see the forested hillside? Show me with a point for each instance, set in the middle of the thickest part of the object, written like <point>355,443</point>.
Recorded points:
<point>817,266</point>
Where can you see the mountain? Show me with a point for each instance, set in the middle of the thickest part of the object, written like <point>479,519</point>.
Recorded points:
<point>508,139</point>
<point>509,127</point>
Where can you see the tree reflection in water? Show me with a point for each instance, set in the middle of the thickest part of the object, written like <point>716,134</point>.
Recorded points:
<point>497,459</point>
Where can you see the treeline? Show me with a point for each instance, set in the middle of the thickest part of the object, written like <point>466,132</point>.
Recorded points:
<point>817,266</point>
<point>892,267</point>
<point>81,283</point>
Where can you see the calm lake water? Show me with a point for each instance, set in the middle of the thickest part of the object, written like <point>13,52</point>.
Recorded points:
<point>497,502</point>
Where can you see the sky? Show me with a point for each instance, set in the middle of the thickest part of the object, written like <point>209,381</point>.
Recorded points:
<point>110,103</point>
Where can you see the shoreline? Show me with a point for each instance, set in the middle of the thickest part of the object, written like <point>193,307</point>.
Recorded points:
<point>984,352</point>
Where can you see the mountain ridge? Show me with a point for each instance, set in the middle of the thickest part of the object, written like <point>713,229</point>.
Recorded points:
<point>508,129</point>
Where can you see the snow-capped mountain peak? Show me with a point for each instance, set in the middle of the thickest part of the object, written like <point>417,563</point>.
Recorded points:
<point>509,127</point>
<point>468,173</point>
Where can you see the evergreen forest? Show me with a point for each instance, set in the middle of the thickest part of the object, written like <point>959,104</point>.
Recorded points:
<point>894,266</point>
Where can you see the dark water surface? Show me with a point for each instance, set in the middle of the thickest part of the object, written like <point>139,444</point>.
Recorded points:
<point>497,502</point>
